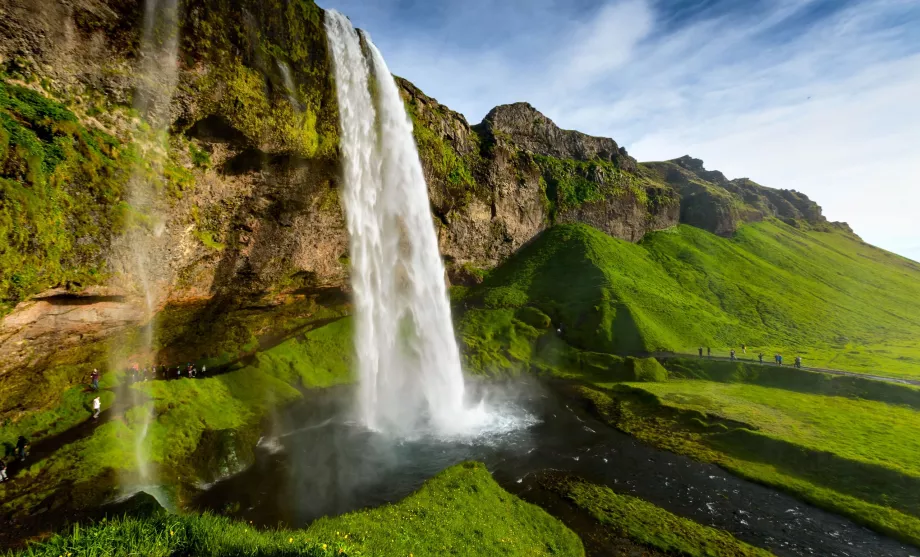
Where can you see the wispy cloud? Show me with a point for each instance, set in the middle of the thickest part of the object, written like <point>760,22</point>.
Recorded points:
<point>815,95</point>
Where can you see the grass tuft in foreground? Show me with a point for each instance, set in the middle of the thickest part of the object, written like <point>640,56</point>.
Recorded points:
<point>461,511</point>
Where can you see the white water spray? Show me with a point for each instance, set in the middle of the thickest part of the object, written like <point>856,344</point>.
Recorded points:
<point>157,76</point>
<point>409,365</point>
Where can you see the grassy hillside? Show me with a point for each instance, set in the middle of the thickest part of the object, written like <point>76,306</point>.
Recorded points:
<point>462,511</point>
<point>826,296</point>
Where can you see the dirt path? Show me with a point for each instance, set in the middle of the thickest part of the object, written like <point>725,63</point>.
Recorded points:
<point>752,360</point>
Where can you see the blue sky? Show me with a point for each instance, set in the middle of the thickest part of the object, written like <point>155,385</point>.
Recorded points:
<point>821,96</point>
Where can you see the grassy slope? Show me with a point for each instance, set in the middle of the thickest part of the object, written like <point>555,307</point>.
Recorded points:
<point>185,409</point>
<point>861,430</point>
<point>823,295</point>
<point>462,511</point>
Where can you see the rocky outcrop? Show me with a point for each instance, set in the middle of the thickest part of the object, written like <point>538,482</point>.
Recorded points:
<point>57,320</point>
<point>494,186</point>
<point>711,201</point>
<point>531,131</point>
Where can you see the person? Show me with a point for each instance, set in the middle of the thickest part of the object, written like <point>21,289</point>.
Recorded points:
<point>94,379</point>
<point>22,447</point>
<point>798,361</point>
<point>760,357</point>
<point>701,351</point>
<point>204,368</point>
<point>3,476</point>
<point>743,349</point>
<point>732,354</point>
<point>780,359</point>
<point>708,352</point>
<point>97,406</point>
<point>776,359</point>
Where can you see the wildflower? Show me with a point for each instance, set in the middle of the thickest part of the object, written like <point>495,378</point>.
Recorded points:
<point>290,540</point>
<point>171,533</point>
<point>324,546</point>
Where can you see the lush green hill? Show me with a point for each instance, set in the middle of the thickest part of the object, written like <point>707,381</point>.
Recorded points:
<point>824,295</point>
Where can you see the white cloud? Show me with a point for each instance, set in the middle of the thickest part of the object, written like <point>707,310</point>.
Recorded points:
<point>593,49</point>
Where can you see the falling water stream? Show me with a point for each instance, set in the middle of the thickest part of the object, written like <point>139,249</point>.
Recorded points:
<point>411,381</point>
<point>157,75</point>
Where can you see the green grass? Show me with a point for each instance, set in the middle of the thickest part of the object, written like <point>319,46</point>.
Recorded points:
<point>461,511</point>
<point>651,525</point>
<point>75,407</point>
<point>861,430</point>
<point>768,287</point>
<point>832,452</point>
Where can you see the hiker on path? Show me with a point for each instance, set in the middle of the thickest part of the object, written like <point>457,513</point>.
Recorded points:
<point>780,359</point>
<point>97,406</point>
<point>701,351</point>
<point>22,448</point>
<point>708,352</point>
<point>732,354</point>
<point>743,349</point>
<point>3,476</point>
<point>798,362</point>
<point>760,357</point>
<point>94,379</point>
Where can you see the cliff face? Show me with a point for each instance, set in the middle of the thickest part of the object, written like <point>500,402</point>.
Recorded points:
<point>247,209</point>
<point>712,202</point>
<point>495,185</point>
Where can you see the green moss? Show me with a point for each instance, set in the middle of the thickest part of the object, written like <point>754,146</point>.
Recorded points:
<point>200,158</point>
<point>246,85</point>
<point>456,172</point>
<point>60,187</point>
<point>570,183</point>
<point>653,526</point>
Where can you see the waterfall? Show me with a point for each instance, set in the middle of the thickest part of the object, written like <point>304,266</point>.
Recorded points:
<point>157,76</point>
<point>408,361</point>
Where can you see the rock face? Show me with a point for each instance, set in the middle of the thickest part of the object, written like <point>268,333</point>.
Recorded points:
<point>248,208</point>
<point>494,186</point>
<point>62,320</point>
<point>531,131</point>
<point>711,201</point>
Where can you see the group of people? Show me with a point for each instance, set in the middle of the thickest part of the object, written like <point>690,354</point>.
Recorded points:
<point>777,358</point>
<point>140,374</point>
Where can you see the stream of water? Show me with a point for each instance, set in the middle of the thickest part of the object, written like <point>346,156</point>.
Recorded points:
<point>316,461</point>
